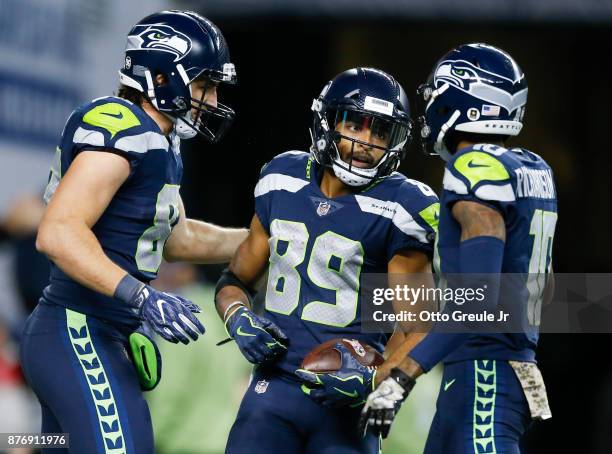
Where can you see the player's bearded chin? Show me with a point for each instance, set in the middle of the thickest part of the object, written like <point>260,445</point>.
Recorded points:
<point>355,155</point>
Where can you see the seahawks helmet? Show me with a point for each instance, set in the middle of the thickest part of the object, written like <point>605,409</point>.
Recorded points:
<point>183,46</point>
<point>474,89</point>
<point>366,98</point>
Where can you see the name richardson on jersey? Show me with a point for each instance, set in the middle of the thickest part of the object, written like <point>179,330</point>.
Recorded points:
<point>536,183</point>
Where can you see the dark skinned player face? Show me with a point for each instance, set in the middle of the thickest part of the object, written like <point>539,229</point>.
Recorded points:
<point>363,156</point>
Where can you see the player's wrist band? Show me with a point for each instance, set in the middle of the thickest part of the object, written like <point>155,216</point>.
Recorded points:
<point>127,289</point>
<point>403,379</point>
<point>228,278</point>
<point>227,314</point>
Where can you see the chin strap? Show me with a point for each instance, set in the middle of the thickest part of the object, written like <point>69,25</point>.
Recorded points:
<point>182,128</point>
<point>362,177</point>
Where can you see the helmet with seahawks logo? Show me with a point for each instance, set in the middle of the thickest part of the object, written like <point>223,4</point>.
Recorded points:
<point>184,47</point>
<point>474,89</point>
<point>367,97</point>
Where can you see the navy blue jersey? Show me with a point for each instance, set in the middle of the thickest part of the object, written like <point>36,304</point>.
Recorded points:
<point>134,227</point>
<point>319,248</point>
<point>520,185</point>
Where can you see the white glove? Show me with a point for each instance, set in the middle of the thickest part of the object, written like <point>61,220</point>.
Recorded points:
<point>384,402</point>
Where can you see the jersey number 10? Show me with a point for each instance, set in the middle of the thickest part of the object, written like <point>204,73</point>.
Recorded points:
<point>543,230</point>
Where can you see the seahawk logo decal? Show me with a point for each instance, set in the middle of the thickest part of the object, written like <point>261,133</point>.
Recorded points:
<point>469,78</point>
<point>459,73</point>
<point>159,37</point>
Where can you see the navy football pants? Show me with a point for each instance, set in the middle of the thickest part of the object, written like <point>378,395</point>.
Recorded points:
<point>277,417</point>
<point>481,408</point>
<point>79,368</point>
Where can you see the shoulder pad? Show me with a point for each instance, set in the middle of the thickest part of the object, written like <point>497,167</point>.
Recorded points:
<point>479,166</point>
<point>116,123</point>
<point>484,171</point>
<point>289,171</point>
<point>413,206</point>
<point>112,116</point>
<point>294,163</point>
<point>421,200</point>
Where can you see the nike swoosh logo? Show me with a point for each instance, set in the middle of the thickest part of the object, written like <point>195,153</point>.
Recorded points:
<point>472,165</point>
<point>448,384</point>
<point>353,394</point>
<point>242,333</point>
<point>118,115</point>
<point>160,307</point>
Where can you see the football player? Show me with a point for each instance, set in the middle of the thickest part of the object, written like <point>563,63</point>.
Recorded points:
<point>498,214</point>
<point>321,220</point>
<point>114,212</point>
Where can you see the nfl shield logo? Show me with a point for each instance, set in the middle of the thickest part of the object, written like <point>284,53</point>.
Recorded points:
<point>357,347</point>
<point>323,208</point>
<point>261,386</point>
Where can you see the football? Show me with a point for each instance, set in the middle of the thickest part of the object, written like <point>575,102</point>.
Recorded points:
<point>325,358</point>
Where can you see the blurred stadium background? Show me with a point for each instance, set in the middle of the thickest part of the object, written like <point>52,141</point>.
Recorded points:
<point>56,54</point>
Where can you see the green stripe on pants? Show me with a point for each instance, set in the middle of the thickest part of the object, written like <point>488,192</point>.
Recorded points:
<point>485,389</point>
<point>97,380</point>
